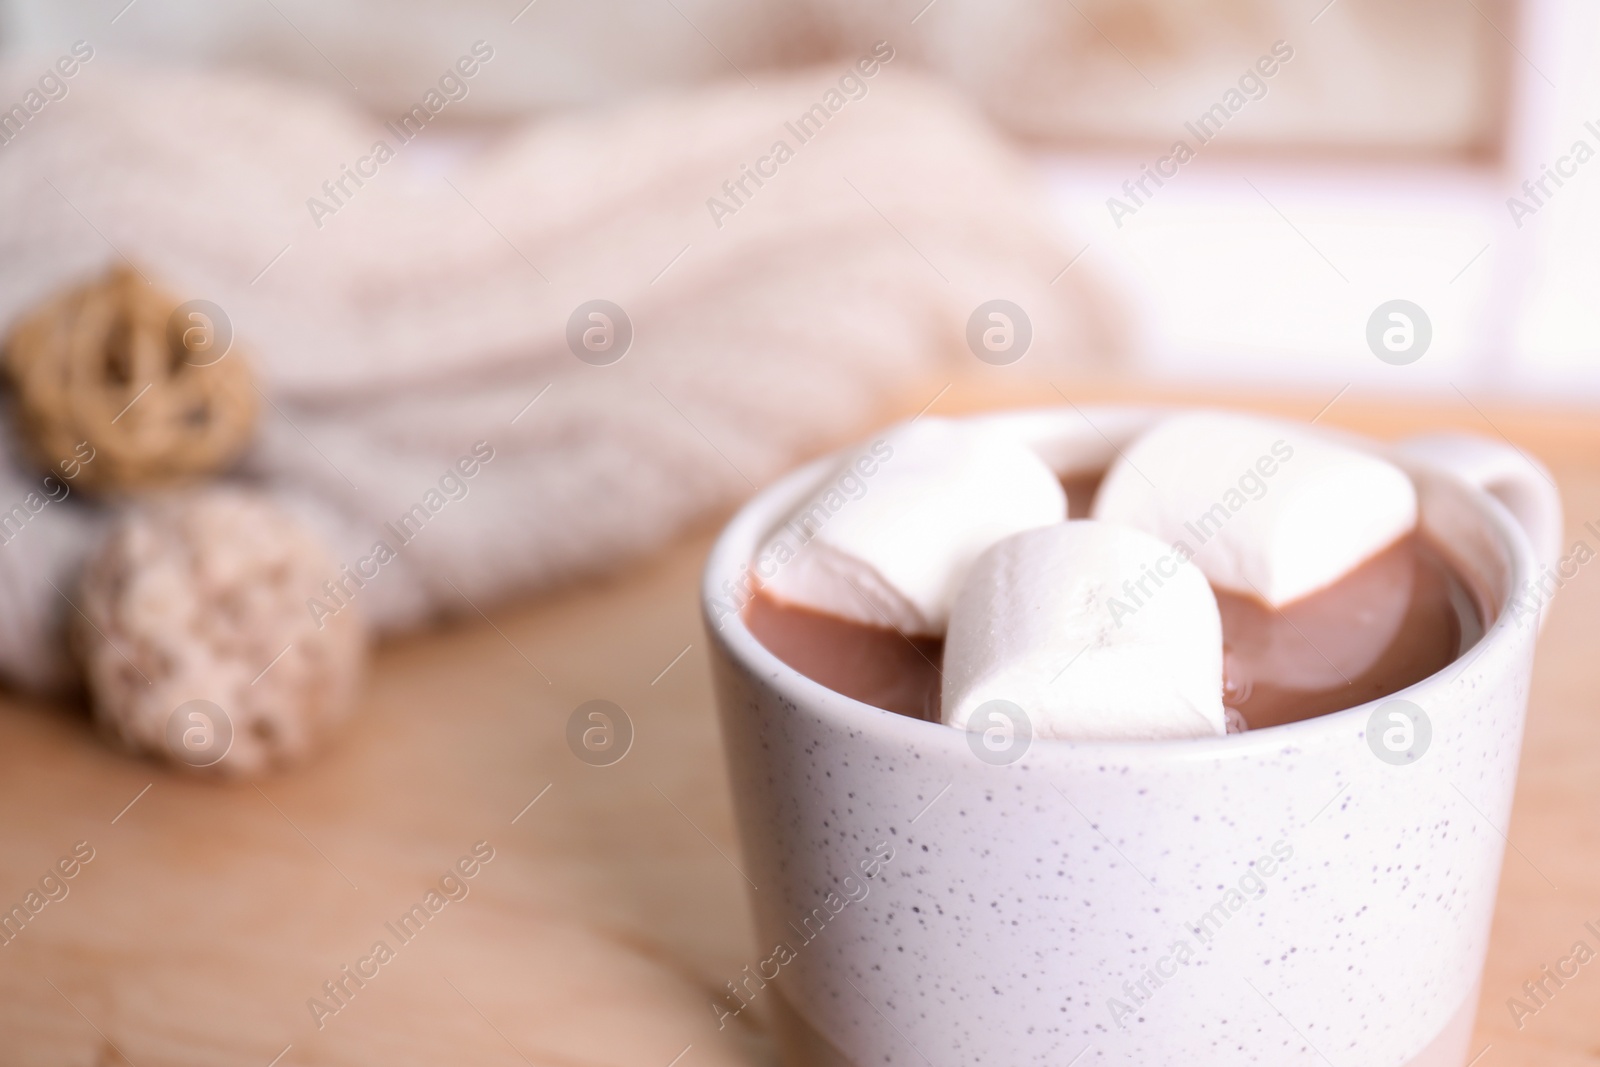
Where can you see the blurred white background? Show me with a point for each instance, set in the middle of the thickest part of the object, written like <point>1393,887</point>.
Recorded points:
<point>1267,270</point>
<point>1377,166</point>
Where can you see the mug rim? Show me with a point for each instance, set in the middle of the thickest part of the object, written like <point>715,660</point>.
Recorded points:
<point>739,539</point>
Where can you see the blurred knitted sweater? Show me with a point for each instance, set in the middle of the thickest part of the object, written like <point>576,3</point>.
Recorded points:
<point>433,306</point>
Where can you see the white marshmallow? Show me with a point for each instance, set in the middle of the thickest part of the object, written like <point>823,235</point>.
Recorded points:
<point>1054,621</point>
<point>891,534</point>
<point>1269,509</point>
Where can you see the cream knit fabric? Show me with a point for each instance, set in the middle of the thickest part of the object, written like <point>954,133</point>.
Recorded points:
<point>429,309</point>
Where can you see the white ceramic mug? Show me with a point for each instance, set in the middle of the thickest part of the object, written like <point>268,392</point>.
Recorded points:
<point>1274,897</point>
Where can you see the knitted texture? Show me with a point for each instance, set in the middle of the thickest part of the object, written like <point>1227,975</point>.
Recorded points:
<point>415,326</point>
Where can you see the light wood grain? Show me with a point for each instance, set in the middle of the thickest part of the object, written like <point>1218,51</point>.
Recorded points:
<point>613,909</point>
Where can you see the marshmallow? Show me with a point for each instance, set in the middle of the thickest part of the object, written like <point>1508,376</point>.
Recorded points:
<point>890,535</point>
<point>1096,631</point>
<point>1268,509</point>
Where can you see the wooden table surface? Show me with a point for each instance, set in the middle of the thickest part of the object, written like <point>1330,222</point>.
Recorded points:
<point>611,911</point>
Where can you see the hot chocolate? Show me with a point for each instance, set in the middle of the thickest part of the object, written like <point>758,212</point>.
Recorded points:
<point>1393,621</point>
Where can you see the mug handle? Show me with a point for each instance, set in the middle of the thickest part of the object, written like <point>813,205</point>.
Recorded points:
<point>1514,478</point>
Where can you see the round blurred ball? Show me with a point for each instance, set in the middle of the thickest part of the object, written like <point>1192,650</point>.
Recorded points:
<point>118,370</point>
<point>197,641</point>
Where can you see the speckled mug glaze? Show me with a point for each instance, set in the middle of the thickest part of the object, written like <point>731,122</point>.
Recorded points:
<point>1027,905</point>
